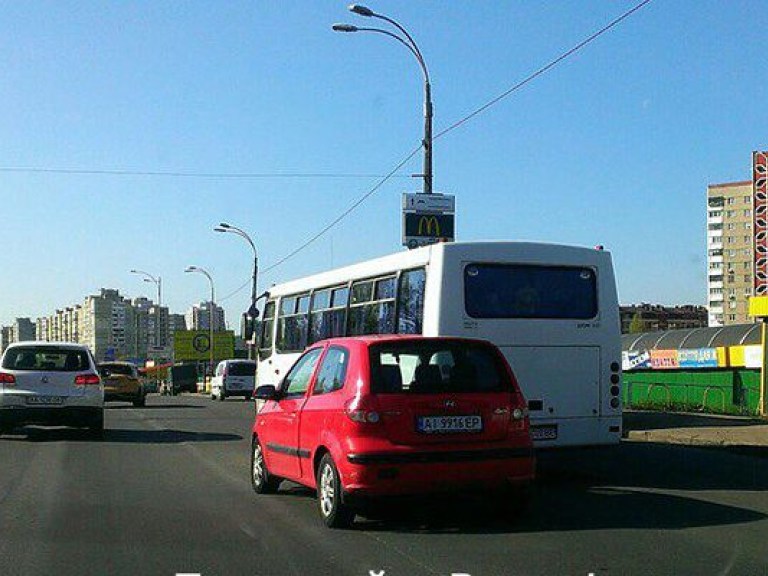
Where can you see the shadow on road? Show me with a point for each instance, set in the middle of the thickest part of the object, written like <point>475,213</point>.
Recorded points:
<point>555,510</point>
<point>119,436</point>
<point>646,420</point>
<point>128,406</point>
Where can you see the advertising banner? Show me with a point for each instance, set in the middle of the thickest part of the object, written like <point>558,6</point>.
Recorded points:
<point>753,356</point>
<point>194,345</point>
<point>760,220</point>
<point>697,358</point>
<point>635,360</point>
<point>664,359</point>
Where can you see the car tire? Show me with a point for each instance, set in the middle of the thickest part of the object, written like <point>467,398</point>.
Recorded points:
<point>261,480</point>
<point>334,512</point>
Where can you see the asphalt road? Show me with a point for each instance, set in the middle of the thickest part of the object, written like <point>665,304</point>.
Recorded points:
<point>167,491</point>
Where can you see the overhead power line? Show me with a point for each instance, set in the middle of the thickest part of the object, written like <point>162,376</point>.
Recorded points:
<point>221,175</point>
<point>333,223</point>
<point>543,69</point>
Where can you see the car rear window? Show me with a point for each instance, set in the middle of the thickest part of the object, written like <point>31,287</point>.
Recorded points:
<point>434,367</point>
<point>118,369</point>
<point>241,369</point>
<point>50,359</point>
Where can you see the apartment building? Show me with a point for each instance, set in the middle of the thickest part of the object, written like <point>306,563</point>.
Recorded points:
<point>199,317</point>
<point>730,252</point>
<point>655,317</point>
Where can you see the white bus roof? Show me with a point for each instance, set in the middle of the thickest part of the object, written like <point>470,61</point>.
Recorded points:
<point>522,251</point>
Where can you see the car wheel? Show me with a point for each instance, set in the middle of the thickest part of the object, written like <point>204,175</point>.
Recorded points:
<point>334,512</point>
<point>262,481</point>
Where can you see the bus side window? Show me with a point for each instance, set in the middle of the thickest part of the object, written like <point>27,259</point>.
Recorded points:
<point>292,323</point>
<point>267,331</point>
<point>410,302</point>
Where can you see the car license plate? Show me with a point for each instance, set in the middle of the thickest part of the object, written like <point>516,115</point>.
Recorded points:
<point>448,424</point>
<point>44,400</point>
<point>545,432</point>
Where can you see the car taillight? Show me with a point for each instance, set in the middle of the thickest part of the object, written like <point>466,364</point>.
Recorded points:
<point>519,413</point>
<point>87,380</point>
<point>7,379</point>
<point>362,411</point>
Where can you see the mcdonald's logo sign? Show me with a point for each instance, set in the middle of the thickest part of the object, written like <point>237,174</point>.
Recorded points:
<point>420,228</point>
<point>429,225</point>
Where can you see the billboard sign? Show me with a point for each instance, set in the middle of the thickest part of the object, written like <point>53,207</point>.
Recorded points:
<point>195,345</point>
<point>760,220</point>
<point>428,218</point>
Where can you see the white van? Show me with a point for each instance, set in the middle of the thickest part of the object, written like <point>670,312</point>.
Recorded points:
<point>234,378</point>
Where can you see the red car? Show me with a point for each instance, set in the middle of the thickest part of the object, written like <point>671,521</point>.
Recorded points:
<point>385,415</point>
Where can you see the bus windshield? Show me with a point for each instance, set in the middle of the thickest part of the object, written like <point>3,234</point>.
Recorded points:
<point>530,291</point>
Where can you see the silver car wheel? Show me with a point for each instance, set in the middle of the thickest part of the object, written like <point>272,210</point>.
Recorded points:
<point>327,491</point>
<point>258,465</point>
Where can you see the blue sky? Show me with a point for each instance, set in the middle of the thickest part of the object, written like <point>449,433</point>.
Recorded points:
<point>615,146</point>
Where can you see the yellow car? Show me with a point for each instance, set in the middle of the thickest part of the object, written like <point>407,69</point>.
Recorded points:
<point>122,382</point>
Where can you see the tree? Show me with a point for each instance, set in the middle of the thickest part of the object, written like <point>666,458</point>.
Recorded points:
<point>636,326</point>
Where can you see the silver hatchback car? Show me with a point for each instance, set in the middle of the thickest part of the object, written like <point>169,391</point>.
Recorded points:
<point>54,384</point>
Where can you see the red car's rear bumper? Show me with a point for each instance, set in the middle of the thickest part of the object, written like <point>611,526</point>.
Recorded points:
<point>391,473</point>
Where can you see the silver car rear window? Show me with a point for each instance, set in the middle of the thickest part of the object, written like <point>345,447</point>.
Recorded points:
<point>49,359</point>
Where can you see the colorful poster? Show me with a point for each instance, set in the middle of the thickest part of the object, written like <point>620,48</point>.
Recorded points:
<point>697,358</point>
<point>633,360</point>
<point>664,359</point>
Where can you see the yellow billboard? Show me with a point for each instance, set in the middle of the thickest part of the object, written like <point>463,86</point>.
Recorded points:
<point>195,345</point>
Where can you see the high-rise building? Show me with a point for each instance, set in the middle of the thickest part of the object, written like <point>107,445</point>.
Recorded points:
<point>5,338</point>
<point>22,330</point>
<point>198,317</point>
<point>730,252</point>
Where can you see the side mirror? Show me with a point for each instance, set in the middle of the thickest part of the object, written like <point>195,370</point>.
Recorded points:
<point>266,392</point>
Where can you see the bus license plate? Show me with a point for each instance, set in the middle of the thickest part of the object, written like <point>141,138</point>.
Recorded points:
<point>45,400</point>
<point>546,432</point>
<point>449,424</point>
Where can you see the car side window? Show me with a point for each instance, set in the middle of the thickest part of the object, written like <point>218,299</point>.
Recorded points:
<point>297,380</point>
<point>332,371</point>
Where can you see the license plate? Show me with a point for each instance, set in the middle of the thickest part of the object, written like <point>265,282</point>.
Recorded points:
<point>547,432</point>
<point>448,424</point>
<point>44,400</point>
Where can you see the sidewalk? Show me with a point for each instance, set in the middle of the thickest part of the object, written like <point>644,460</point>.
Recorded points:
<point>695,429</point>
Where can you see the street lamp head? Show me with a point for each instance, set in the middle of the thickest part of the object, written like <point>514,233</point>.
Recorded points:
<point>219,229</point>
<point>344,28</point>
<point>225,225</point>
<point>135,272</point>
<point>191,269</point>
<point>361,10</point>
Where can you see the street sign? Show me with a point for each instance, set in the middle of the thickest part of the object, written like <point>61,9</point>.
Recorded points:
<point>418,202</point>
<point>428,218</point>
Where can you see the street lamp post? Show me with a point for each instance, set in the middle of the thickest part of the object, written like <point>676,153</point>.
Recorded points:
<point>409,43</point>
<point>210,308</point>
<point>253,312</point>
<point>157,281</point>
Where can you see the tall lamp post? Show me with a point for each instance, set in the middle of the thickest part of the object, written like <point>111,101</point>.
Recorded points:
<point>157,281</point>
<point>409,43</point>
<point>210,308</point>
<point>253,312</point>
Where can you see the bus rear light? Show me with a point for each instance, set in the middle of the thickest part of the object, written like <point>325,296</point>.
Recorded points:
<point>615,366</point>
<point>615,378</point>
<point>87,380</point>
<point>7,379</point>
<point>615,390</point>
<point>615,403</point>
